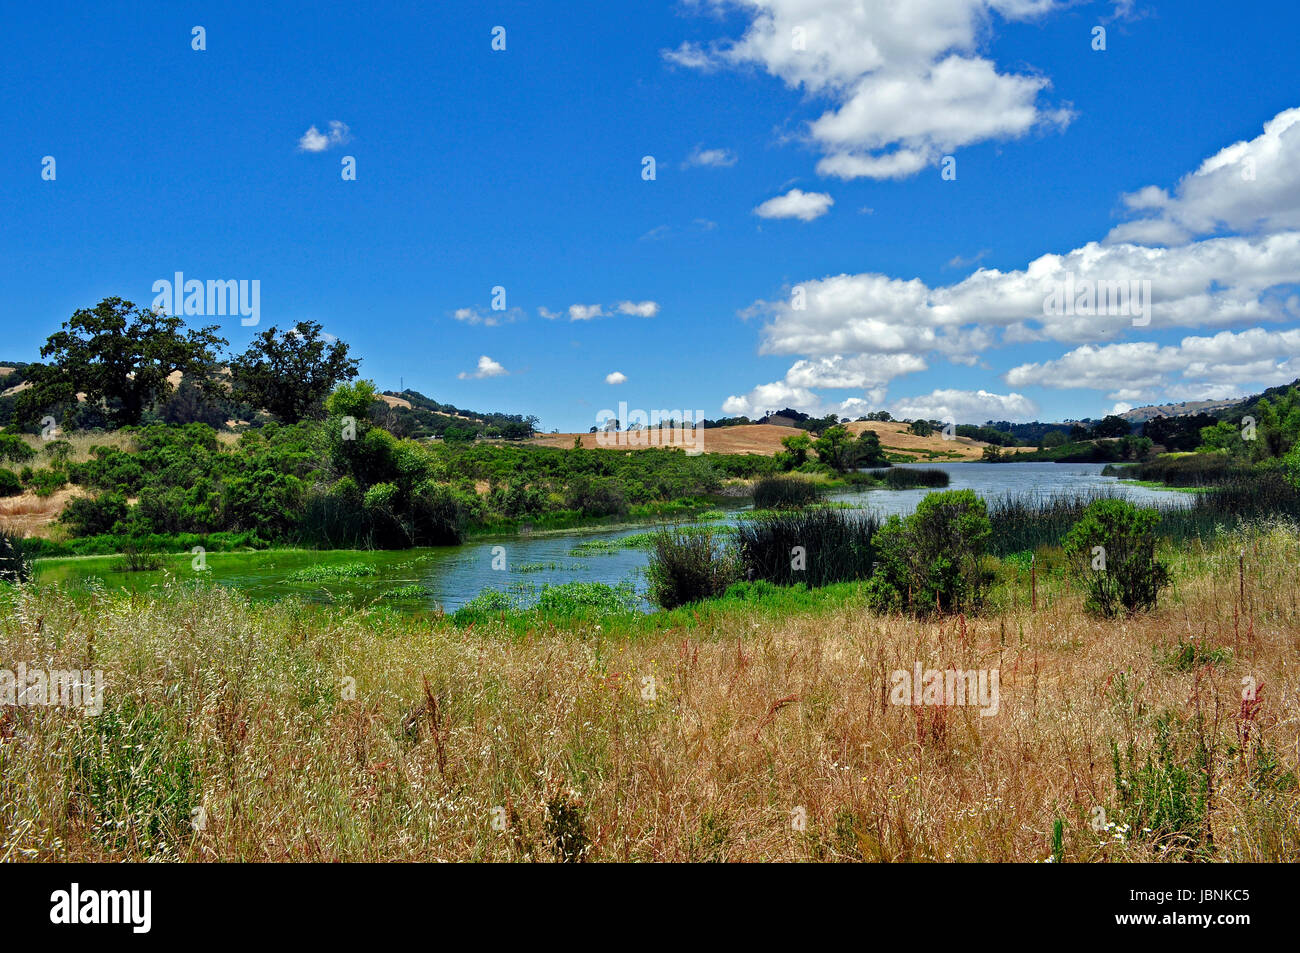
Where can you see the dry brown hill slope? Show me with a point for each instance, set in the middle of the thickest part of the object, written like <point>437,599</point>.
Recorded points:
<point>766,439</point>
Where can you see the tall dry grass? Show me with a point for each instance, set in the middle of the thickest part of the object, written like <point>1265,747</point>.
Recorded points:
<point>84,441</point>
<point>760,737</point>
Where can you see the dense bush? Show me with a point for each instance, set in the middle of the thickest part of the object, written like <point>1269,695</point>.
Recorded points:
<point>592,496</point>
<point>689,566</point>
<point>10,485</point>
<point>775,492</point>
<point>932,561</point>
<point>92,515</point>
<point>1112,550</point>
<point>45,482</point>
<point>816,546</point>
<point>14,449</point>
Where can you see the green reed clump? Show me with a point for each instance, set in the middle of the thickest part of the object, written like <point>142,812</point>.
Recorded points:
<point>1198,469</point>
<point>816,546</point>
<point>15,565</point>
<point>778,492</point>
<point>906,478</point>
<point>1027,521</point>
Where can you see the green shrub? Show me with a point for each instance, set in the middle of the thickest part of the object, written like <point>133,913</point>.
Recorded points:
<point>581,598</point>
<point>689,566</point>
<point>381,496</point>
<point>46,482</point>
<point>58,450</point>
<point>14,449</point>
<point>1192,654</point>
<point>1112,551</point>
<point>92,515</point>
<point>593,496</point>
<point>784,491</point>
<point>488,603</point>
<point>10,485</point>
<point>932,561</point>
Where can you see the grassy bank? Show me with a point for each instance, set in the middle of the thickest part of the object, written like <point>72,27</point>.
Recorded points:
<point>700,734</point>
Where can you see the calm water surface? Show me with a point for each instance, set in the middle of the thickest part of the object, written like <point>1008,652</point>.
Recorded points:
<point>454,575</point>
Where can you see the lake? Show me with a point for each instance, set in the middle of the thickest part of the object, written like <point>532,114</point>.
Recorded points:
<point>453,575</point>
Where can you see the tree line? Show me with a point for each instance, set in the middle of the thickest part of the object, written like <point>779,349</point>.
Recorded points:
<point>111,364</point>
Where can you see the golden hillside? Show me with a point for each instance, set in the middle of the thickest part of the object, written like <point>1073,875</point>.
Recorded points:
<point>766,439</point>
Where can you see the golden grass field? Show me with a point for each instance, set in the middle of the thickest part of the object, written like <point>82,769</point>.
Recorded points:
<point>479,744</point>
<point>766,439</point>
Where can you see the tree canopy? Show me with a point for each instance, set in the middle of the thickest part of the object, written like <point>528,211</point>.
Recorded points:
<point>121,357</point>
<point>290,373</point>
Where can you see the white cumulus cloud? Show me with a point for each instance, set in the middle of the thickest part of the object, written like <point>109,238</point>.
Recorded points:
<point>1227,363</point>
<point>640,309</point>
<point>486,368</point>
<point>908,81</point>
<point>1251,187</point>
<point>313,140</point>
<point>796,203</point>
<point>965,406</point>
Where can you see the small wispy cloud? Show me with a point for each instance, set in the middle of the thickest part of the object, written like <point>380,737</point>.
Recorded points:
<point>313,140</point>
<point>957,261</point>
<point>488,319</point>
<point>640,309</point>
<point>486,368</point>
<point>616,378</point>
<point>709,158</point>
<point>796,203</point>
<point>589,312</point>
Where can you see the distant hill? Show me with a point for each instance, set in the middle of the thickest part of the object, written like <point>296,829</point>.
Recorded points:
<point>766,439</point>
<point>12,379</point>
<point>1247,405</point>
<point>1222,409</point>
<point>1184,408</point>
<point>411,414</point>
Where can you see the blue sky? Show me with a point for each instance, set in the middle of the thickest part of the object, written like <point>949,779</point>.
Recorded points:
<point>523,169</point>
